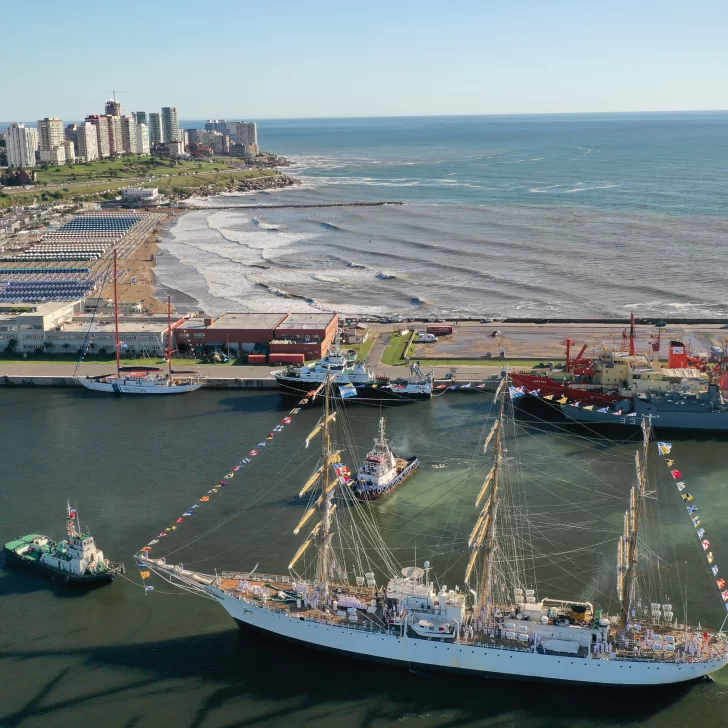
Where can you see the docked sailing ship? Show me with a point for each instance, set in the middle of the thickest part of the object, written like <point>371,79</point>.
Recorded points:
<point>75,560</point>
<point>382,471</point>
<point>142,380</point>
<point>494,626</point>
<point>299,380</point>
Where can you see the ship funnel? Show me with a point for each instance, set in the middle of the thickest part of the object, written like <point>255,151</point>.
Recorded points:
<point>678,358</point>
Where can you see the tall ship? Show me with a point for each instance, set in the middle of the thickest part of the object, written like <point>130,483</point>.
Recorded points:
<point>382,471</point>
<point>354,380</point>
<point>336,597</point>
<point>674,410</point>
<point>75,560</point>
<point>616,374</point>
<point>142,380</point>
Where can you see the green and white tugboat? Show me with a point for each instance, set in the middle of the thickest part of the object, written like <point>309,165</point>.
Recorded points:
<point>75,560</point>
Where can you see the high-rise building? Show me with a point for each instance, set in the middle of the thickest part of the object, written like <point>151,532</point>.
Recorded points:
<point>139,116</point>
<point>246,133</point>
<point>21,144</point>
<point>102,133</point>
<point>50,134</point>
<point>170,124</point>
<point>116,143</point>
<point>87,146</point>
<point>220,125</point>
<point>128,135</point>
<point>70,149</point>
<point>155,129</point>
<point>113,108</point>
<point>142,139</point>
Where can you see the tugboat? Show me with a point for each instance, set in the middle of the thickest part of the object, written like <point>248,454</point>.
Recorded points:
<point>382,471</point>
<point>75,560</point>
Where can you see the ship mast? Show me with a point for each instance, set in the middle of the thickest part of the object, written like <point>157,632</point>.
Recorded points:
<point>116,319</point>
<point>324,535</point>
<point>169,336</point>
<point>483,537</point>
<point>628,551</point>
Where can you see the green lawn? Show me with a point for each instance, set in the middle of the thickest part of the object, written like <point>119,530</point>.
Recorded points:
<point>396,349</point>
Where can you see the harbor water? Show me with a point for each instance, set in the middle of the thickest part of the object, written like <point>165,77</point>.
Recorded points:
<point>119,656</point>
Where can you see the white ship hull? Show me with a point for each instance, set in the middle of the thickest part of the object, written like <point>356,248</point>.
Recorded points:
<point>125,386</point>
<point>470,659</point>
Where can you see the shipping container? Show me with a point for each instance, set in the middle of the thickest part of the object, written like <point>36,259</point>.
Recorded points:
<point>286,359</point>
<point>442,330</point>
<point>256,358</point>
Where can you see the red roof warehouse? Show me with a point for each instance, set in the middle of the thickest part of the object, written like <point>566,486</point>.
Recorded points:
<point>280,333</point>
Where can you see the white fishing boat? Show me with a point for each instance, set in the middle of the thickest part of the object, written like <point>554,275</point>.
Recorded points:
<point>140,379</point>
<point>495,625</point>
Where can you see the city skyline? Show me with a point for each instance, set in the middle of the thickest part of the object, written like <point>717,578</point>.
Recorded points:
<point>409,59</point>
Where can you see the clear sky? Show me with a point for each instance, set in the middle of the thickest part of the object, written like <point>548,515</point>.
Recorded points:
<point>322,58</point>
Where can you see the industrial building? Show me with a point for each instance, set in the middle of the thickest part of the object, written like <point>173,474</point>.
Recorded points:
<point>245,333</point>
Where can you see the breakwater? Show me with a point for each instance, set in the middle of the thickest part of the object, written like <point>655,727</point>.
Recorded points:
<point>381,203</point>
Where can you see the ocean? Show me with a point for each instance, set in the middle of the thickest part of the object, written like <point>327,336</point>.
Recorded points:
<point>572,216</point>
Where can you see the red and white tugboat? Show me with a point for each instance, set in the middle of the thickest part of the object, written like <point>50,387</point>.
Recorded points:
<point>382,471</point>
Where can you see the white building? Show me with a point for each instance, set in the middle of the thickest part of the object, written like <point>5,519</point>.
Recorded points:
<point>56,156</point>
<point>142,139</point>
<point>21,145</point>
<point>50,134</point>
<point>170,124</point>
<point>88,148</point>
<point>102,133</point>
<point>128,135</point>
<point>141,195</point>
<point>70,149</point>
<point>176,149</point>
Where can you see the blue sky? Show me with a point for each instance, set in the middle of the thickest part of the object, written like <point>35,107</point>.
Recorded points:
<point>316,58</point>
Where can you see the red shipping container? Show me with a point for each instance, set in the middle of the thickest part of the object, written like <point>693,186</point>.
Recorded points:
<point>256,358</point>
<point>286,358</point>
<point>442,330</point>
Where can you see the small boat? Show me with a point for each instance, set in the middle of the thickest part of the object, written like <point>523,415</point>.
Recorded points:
<point>75,560</point>
<point>382,471</point>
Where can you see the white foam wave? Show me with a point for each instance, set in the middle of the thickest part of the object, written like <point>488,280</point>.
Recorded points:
<point>588,189</point>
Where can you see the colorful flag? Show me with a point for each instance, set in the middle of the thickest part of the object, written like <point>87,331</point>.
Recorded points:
<point>680,485</point>
<point>347,390</point>
<point>714,569</point>
<point>236,468</point>
<point>148,588</point>
<point>676,474</point>
<point>563,400</point>
<point>195,506</point>
<point>535,392</point>
<point>574,404</point>
<point>670,463</point>
<point>710,557</point>
<point>269,436</point>
<point>180,520</point>
<point>724,594</point>
<point>664,447</point>
<point>603,410</point>
<point>589,407</point>
<point>147,548</point>
<point>440,386</point>
<point>465,386</point>
<point>721,583</point>
<point>481,386</point>
<point>692,509</point>
<point>145,574</point>
<point>618,412</point>
<point>549,396</point>
<point>686,497</point>
<point>706,544</point>
<point>287,420</point>
<point>515,392</point>
<point>187,513</point>
<point>253,453</point>
<point>205,498</point>
<point>696,521</point>
<point>162,534</point>
<point>701,532</point>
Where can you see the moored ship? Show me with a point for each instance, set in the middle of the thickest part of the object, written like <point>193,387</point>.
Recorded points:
<point>495,625</point>
<point>382,471</point>
<point>75,560</point>
<point>358,382</point>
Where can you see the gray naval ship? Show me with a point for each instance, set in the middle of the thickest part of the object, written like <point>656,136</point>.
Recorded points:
<point>704,410</point>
